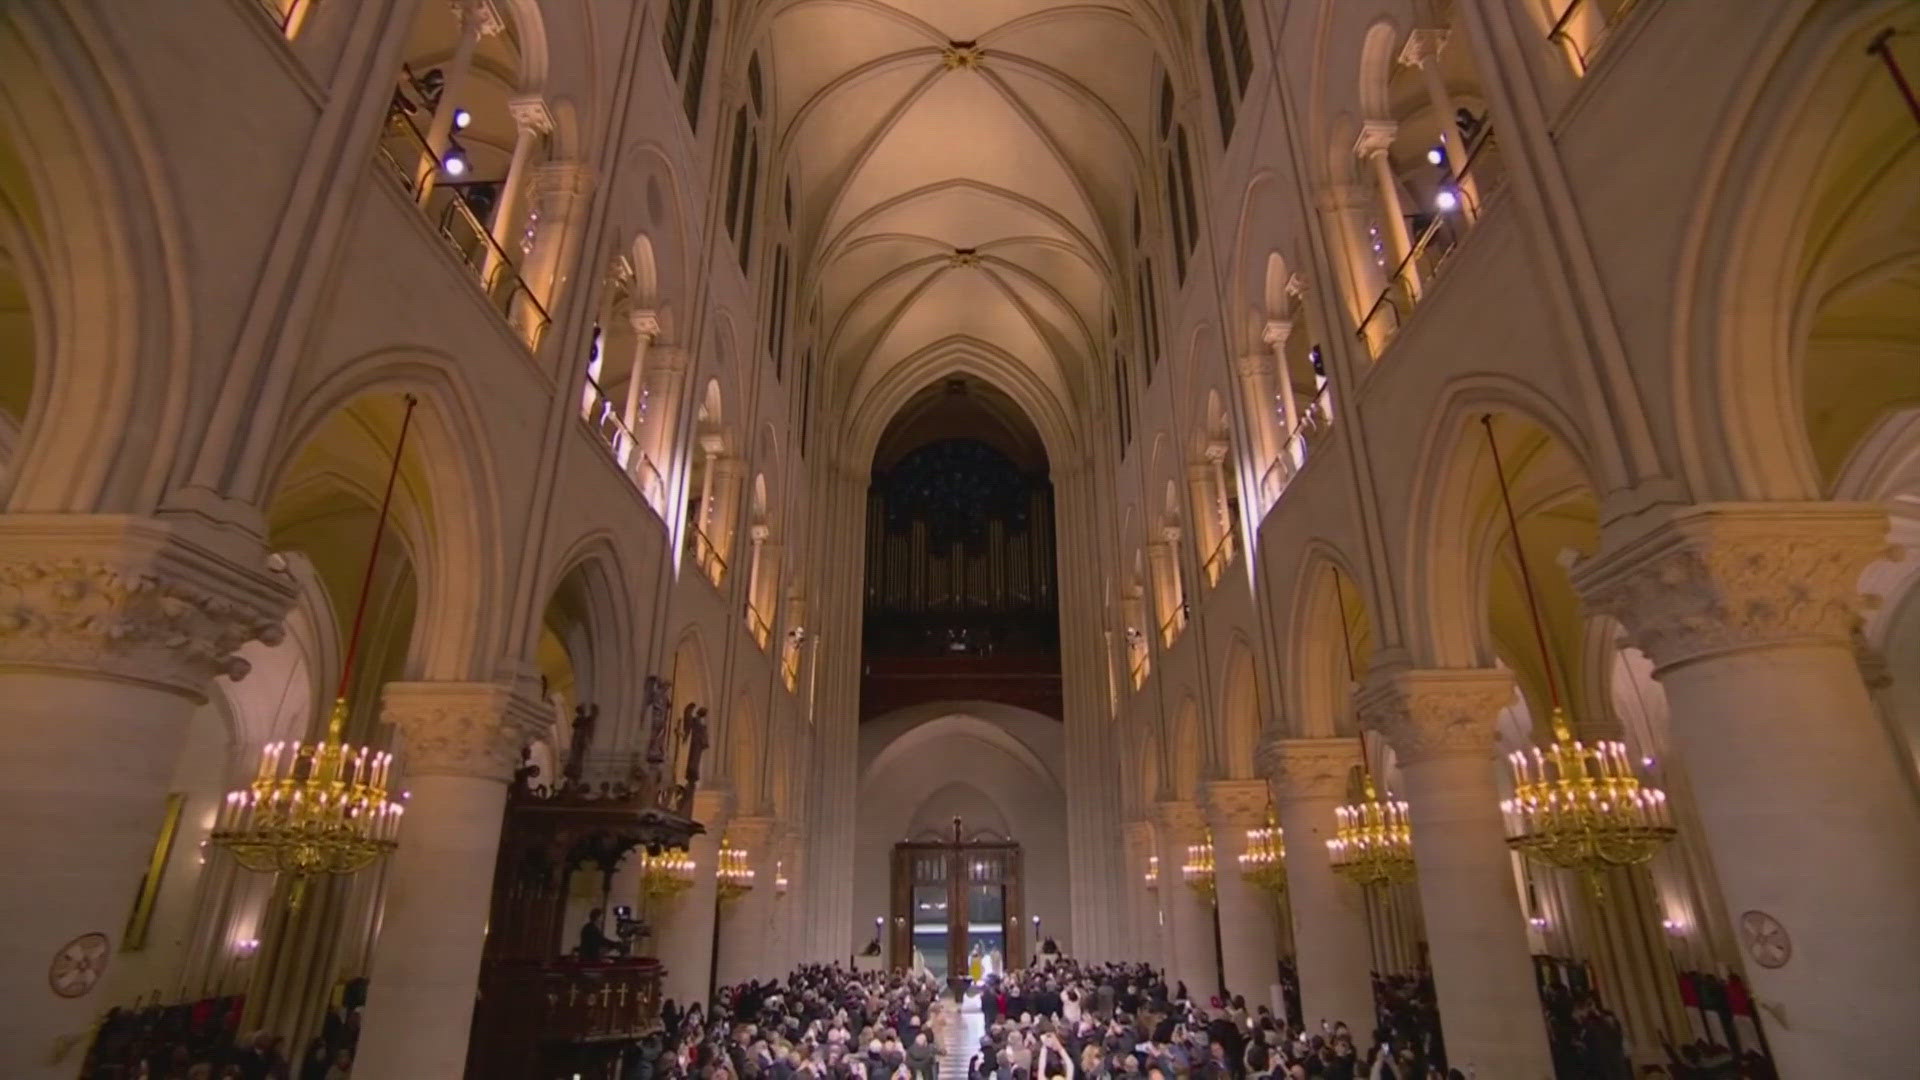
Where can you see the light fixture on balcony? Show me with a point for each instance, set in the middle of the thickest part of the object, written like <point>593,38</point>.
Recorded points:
<point>1576,805</point>
<point>1436,156</point>
<point>454,161</point>
<point>1447,199</point>
<point>1198,869</point>
<point>1263,863</point>
<point>461,119</point>
<point>735,877</point>
<point>320,808</point>
<point>667,873</point>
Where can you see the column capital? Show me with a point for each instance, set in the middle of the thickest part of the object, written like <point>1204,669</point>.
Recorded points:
<point>1138,832</point>
<point>469,729</point>
<point>1233,805</point>
<point>480,16</point>
<point>645,323</point>
<point>753,832</point>
<point>664,361</point>
<point>557,179</point>
<point>1309,768</point>
<point>1423,45</point>
<point>1335,198</point>
<point>1276,332</point>
<point>713,807</point>
<point>759,534</point>
<point>1376,137</point>
<point>137,598</point>
<point>1182,820</point>
<point>1257,366</point>
<point>1437,712</point>
<point>1169,537</point>
<point>530,114</point>
<point>1721,577</point>
<point>1215,452</point>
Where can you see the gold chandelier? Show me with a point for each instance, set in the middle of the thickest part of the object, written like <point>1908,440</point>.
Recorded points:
<point>1198,869</point>
<point>1264,862</point>
<point>1576,805</point>
<point>665,873</point>
<point>735,877</point>
<point>1372,841</point>
<point>320,808</point>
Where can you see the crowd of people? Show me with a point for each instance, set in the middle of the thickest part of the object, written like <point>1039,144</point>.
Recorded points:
<point>202,1040</point>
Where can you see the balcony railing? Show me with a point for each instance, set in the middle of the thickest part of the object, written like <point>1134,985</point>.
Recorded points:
<point>603,418</point>
<point>1314,423</point>
<point>1137,670</point>
<point>447,206</point>
<point>652,484</point>
<point>758,626</point>
<point>1480,175</point>
<point>706,556</point>
<point>1176,622</point>
<point>790,666</point>
<point>1221,558</point>
<point>1584,26</point>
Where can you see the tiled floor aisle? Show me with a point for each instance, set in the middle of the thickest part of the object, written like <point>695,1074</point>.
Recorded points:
<point>962,1038</point>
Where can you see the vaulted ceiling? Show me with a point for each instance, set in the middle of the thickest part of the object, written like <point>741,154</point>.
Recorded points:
<point>964,182</point>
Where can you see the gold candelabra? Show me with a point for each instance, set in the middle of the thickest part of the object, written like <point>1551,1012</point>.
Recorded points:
<point>321,807</point>
<point>668,873</point>
<point>734,876</point>
<point>1264,862</point>
<point>1579,806</point>
<point>779,878</point>
<point>1152,876</point>
<point>1372,843</point>
<point>1198,869</point>
<point>312,808</point>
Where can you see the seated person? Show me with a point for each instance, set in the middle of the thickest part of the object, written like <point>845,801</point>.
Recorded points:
<point>594,942</point>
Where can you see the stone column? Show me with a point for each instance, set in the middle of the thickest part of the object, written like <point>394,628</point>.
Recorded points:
<point>559,188</point>
<point>477,19</point>
<point>1331,951</point>
<point>746,922</point>
<point>1344,208</point>
<point>1376,139</point>
<point>1442,724</point>
<point>1745,611</point>
<point>646,327</point>
<point>1192,958</point>
<point>459,743</point>
<point>1143,907</point>
<point>662,379</point>
<point>1249,955</point>
<point>112,629</point>
<point>727,471</point>
<point>1207,504</point>
<point>1162,559</point>
<point>1276,333</point>
<point>684,936</point>
<point>531,122</point>
<point>1422,51</point>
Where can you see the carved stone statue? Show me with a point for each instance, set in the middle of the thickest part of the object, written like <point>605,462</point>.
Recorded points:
<point>585,717</point>
<point>693,728</point>
<point>658,716</point>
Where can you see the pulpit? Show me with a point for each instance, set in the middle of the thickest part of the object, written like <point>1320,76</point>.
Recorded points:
<point>544,1012</point>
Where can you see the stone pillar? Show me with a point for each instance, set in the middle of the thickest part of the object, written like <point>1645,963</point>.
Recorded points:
<point>1143,906</point>
<point>684,933</point>
<point>662,379</point>
<point>1376,139</point>
<point>1442,724</point>
<point>1331,951</point>
<point>112,629</point>
<point>476,19</point>
<point>1162,559</point>
<point>459,744</point>
<point>646,327</point>
<point>727,471</point>
<point>559,187</point>
<point>1276,333</point>
<point>1422,51</point>
<point>1249,955</point>
<point>746,922</point>
<point>531,122</point>
<point>1207,504</point>
<point>1192,958</point>
<point>1745,611</point>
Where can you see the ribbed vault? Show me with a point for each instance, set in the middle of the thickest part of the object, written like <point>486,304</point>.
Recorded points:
<point>963,178</point>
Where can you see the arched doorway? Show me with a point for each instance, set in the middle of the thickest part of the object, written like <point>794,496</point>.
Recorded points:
<point>957,904</point>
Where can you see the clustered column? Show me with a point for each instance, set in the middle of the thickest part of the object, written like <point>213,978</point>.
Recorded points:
<point>459,744</point>
<point>1745,611</point>
<point>746,923</point>
<point>113,632</point>
<point>1249,955</point>
<point>1143,906</point>
<point>684,932</point>
<point>1442,724</point>
<point>1331,954</point>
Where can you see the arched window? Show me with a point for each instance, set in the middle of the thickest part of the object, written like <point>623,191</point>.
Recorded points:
<point>777,311</point>
<point>684,40</point>
<point>806,399</point>
<point>1229,59</point>
<point>743,175</point>
<point>1183,215</point>
<point>1122,385</point>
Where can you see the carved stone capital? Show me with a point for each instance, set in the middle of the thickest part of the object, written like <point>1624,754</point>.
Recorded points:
<point>1256,366</point>
<point>1181,820</point>
<point>470,729</point>
<point>752,834</point>
<point>1722,577</point>
<point>645,324</point>
<point>1423,45</point>
<point>1309,768</point>
<point>1235,805</point>
<point>134,598</point>
<point>478,17</point>
<point>1376,137</point>
<point>1276,332</point>
<point>562,181</point>
<point>530,114</point>
<point>1437,713</point>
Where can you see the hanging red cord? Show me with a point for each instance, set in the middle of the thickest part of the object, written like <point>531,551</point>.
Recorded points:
<point>1520,556</point>
<point>373,554</point>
